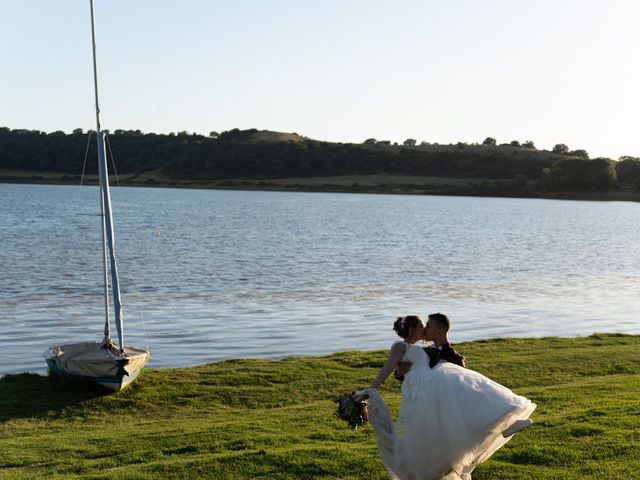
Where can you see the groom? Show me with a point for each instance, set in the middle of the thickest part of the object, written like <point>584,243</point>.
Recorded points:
<point>436,330</point>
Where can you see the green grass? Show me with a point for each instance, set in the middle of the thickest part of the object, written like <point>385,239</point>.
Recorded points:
<point>274,419</point>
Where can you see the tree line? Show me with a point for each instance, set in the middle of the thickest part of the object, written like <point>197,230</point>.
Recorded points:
<point>235,155</point>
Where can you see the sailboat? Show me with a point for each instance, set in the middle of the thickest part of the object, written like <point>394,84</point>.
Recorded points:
<point>113,366</point>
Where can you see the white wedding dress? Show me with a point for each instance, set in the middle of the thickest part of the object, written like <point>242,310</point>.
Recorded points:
<point>450,420</point>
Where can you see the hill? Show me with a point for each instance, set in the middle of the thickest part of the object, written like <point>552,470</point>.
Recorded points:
<point>274,137</point>
<point>253,158</point>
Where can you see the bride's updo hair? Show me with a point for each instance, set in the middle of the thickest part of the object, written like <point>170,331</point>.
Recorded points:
<point>403,326</point>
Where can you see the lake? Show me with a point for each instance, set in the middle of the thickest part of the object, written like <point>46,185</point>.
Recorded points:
<point>213,274</point>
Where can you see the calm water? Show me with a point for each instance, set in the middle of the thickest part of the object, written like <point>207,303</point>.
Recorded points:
<point>209,275</point>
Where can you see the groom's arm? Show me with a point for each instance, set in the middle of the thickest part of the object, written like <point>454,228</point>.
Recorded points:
<point>450,355</point>
<point>459,360</point>
<point>401,370</point>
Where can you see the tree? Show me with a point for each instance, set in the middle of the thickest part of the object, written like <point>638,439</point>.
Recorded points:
<point>528,144</point>
<point>579,153</point>
<point>560,148</point>
<point>515,143</point>
<point>370,141</point>
<point>580,174</point>
<point>409,142</point>
<point>628,169</point>
<point>78,131</point>
<point>213,134</point>
<point>489,141</point>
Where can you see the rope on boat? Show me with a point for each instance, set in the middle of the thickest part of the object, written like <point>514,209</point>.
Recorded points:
<point>86,154</point>
<point>124,220</point>
<point>113,164</point>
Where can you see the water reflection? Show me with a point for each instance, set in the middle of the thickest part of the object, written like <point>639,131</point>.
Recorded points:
<point>209,275</point>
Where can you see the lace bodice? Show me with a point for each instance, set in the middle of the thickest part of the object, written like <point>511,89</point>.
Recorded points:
<point>419,372</point>
<point>416,355</point>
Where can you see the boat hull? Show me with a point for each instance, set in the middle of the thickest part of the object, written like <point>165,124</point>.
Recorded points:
<point>114,382</point>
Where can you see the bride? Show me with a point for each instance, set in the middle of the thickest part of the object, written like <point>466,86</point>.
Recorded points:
<point>450,419</point>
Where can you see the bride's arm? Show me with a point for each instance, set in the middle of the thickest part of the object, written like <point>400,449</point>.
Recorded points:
<point>395,355</point>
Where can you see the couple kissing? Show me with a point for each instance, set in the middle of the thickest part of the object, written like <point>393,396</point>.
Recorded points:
<point>436,330</point>
<point>451,418</point>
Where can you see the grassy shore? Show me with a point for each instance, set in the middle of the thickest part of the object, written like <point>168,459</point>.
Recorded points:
<point>272,419</point>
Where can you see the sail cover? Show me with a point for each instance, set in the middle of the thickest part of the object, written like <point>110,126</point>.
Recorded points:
<point>92,359</point>
<point>108,216</point>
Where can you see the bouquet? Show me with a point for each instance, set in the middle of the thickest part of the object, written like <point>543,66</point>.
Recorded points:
<point>353,412</point>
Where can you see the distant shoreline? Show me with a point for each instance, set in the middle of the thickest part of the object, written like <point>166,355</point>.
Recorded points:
<point>370,184</point>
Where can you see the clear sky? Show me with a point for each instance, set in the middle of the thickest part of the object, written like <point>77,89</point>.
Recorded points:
<point>551,71</point>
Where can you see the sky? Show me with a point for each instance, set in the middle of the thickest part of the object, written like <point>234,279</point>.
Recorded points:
<point>441,71</point>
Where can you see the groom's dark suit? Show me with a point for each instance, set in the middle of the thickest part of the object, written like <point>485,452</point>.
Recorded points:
<point>444,352</point>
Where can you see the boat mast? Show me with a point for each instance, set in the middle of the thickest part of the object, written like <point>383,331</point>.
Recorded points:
<point>107,333</point>
<point>108,238</point>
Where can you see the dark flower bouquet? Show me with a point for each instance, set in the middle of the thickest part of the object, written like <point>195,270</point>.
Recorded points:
<point>353,412</point>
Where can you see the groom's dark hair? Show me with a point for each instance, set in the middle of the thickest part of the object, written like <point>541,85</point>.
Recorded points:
<point>442,320</point>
